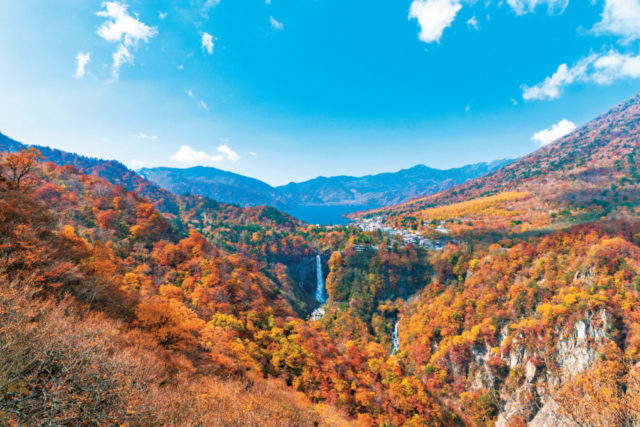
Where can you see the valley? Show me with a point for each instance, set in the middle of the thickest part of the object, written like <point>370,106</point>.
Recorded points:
<point>419,213</point>
<point>507,299</point>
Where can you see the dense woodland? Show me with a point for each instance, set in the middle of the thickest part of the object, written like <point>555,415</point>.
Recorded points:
<point>121,303</point>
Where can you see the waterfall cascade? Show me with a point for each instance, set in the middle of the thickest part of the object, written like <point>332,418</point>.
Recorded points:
<point>320,293</point>
<point>395,342</point>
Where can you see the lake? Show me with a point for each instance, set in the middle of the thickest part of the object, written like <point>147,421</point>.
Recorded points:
<point>325,215</point>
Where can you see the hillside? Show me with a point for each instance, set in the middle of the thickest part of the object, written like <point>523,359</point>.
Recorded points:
<point>532,313</point>
<point>588,174</point>
<point>111,170</point>
<point>529,313</point>
<point>216,314</point>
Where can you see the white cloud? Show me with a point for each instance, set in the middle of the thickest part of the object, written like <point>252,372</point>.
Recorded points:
<point>550,87</point>
<point>124,29</point>
<point>143,135</point>
<point>557,131</point>
<point>433,16</point>
<point>136,164</point>
<point>601,69</point>
<point>120,57</point>
<point>228,153</point>
<point>472,23</point>
<point>613,66</point>
<point>620,18</point>
<point>252,153</point>
<point>188,155</point>
<point>207,43</point>
<point>162,15</point>
<point>209,4</point>
<point>82,59</point>
<point>276,25</point>
<point>521,7</point>
<point>203,105</point>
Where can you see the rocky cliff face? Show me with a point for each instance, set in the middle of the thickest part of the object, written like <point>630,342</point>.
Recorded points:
<point>533,373</point>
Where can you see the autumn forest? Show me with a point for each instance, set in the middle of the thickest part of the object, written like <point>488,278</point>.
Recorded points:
<point>122,303</point>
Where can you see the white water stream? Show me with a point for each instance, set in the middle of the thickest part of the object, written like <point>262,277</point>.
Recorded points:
<point>395,341</point>
<point>320,294</point>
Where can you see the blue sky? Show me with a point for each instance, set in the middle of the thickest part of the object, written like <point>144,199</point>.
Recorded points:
<point>288,90</point>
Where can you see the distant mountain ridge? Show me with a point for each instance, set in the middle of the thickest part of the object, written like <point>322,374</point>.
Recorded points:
<point>222,186</point>
<point>372,190</point>
<point>162,183</point>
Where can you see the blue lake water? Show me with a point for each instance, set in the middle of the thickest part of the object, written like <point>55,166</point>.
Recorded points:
<point>324,215</point>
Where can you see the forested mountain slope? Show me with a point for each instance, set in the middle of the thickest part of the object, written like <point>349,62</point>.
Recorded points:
<point>216,326</point>
<point>581,177</point>
<point>532,316</point>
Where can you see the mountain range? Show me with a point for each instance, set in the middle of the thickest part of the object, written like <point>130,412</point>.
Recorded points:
<point>371,191</point>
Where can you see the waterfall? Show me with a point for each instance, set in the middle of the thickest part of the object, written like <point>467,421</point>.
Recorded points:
<point>320,294</point>
<point>395,342</point>
<point>321,297</point>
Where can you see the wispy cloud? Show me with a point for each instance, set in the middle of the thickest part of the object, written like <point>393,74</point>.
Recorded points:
<point>126,30</point>
<point>200,102</point>
<point>207,6</point>
<point>472,23</point>
<point>620,18</point>
<point>555,132</point>
<point>189,156</point>
<point>143,135</point>
<point>207,43</point>
<point>435,16</point>
<point>601,69</point>
<point>82,59</point>
<point>276,25</point>
<point>521,7</point>
<point>120,57</point>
